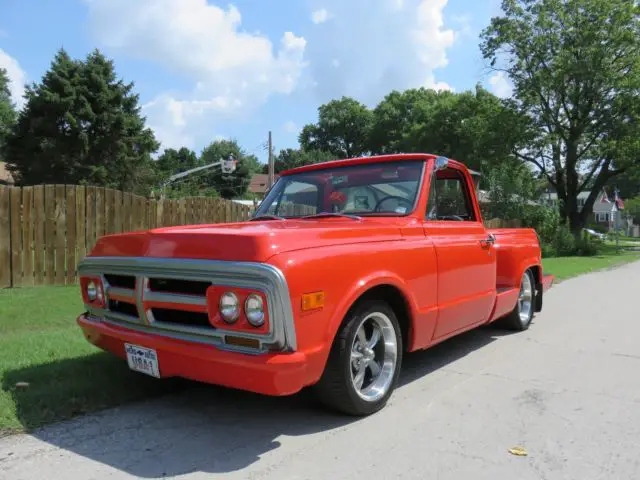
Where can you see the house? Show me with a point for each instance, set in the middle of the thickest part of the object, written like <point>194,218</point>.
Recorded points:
<point>610,212</point>
<point>258,184</point>
<point>5,176</point>
<point>606,212</point>
<point>550,199</point>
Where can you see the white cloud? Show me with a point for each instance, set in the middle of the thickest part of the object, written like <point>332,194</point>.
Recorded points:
<point>290,127</point>
<point>17,77</point>
<point>320,16</point>
<point>368,49</point>
<point>233,72</point>
<point>500,85</point>
<point>439,86</point>
<point>381,45</point>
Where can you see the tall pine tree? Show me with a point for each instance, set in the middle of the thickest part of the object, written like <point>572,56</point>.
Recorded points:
<point>82,125</point>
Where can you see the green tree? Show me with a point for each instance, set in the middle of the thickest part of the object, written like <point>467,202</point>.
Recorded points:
<point>291,158</point>
<point>511,186</point>
<point>343,129</point>
<point>173,161</point>
<point>81,124</point>
<point>252,163</point>
<point>7,111</point>
<point>627,183</point>
<point>475,127</point>
<point>397,115</point>
<point>632,207</point>
<point>575,67</point>
<point>228,185</point>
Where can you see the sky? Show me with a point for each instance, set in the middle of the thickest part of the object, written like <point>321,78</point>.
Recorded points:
<point>208,70</point>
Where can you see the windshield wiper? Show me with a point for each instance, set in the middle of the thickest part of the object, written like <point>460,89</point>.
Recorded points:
<point>266,217</point>
<point>330,214</point>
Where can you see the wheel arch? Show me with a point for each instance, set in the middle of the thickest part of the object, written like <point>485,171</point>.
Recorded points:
<point>398,303</point>
<point>388,289</point>
<point>537,275</point>
<point>536,270</point>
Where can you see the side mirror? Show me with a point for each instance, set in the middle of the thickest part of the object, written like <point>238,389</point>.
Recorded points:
<point>441,163</point>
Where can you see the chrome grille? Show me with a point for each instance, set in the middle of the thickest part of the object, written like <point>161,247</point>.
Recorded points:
<point>172,285</point>
<point>169,296</point>
<point>121,281</point>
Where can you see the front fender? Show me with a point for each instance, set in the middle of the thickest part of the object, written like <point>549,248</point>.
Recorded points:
<point>362,286</point>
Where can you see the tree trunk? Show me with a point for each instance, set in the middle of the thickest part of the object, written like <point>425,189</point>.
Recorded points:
<point>572,213</point>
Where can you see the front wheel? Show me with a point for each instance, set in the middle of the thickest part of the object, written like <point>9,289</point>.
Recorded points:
<point>364,362</point>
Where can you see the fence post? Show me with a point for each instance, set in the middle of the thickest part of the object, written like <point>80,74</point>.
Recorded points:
<point>39,244</point>
<point>16,236</point>
<point>5,238</point>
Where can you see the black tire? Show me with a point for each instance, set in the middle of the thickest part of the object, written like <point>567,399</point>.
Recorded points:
<point>513,321</point>
<point>335,388</point>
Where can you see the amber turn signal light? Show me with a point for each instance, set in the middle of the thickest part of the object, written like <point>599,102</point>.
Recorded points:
<point>241,341</point>
<point>312,301</point>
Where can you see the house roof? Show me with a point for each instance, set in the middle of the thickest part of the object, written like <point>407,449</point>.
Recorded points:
<point>603,204</point>
<point>554,196</point>
<point>5,176</point>
<point>258,183</point>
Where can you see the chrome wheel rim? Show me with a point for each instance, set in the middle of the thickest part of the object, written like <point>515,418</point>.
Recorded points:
<point>374,353</point>
<point>525,299</point>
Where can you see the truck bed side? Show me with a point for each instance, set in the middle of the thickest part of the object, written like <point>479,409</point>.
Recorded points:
<point>517,249</point>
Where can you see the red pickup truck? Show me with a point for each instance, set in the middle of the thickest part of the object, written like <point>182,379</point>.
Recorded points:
<point>345,266</point>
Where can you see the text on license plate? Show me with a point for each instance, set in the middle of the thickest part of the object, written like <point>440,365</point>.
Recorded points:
<point>142,359</point>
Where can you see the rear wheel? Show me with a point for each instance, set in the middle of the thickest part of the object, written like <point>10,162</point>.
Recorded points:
<point>520,317</point>
<point>364,363</point>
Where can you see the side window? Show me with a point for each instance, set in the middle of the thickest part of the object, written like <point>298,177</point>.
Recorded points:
<point>449,198</point>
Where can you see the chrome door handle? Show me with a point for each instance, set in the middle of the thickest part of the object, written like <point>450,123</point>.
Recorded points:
<point>490,240</point>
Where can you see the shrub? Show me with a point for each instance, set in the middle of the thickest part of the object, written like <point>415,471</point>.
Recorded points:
<point>548,250</point>
<point>587,245</point>
<point>564,241</point>
<point>545,221</point>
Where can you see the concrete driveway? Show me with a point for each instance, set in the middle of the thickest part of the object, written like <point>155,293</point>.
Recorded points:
<point>567,390</point>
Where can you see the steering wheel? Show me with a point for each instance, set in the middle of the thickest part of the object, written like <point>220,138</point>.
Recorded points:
<point>377,207</point>
<point>451,217</point>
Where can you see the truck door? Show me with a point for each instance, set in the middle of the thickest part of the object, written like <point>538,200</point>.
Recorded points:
<point>465,254</point>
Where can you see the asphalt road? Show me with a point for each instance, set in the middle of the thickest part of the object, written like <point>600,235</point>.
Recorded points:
<point>567,390</point>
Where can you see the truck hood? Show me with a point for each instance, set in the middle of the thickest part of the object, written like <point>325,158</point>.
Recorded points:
<point>246,241</point>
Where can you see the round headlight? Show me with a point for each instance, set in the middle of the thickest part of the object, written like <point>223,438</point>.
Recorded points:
<point>92,291</point>
<point>254,310</point>
<point>229,308</point>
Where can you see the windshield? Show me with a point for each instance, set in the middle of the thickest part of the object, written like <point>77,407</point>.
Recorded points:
<point>375,189</point>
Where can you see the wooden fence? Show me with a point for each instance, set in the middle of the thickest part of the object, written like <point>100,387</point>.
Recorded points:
<point>45,230</point>
<point>502,223</point>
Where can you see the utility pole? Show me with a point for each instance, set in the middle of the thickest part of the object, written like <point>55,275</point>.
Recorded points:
<point>271,166</point>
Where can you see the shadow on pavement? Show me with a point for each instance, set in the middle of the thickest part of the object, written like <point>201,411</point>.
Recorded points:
<point>212,429</point>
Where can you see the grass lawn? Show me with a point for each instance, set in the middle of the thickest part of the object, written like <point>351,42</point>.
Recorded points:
<point>41,344</point>
<point>567,267</point>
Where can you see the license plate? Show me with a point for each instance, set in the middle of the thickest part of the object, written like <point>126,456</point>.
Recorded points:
<point>144,360</point>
